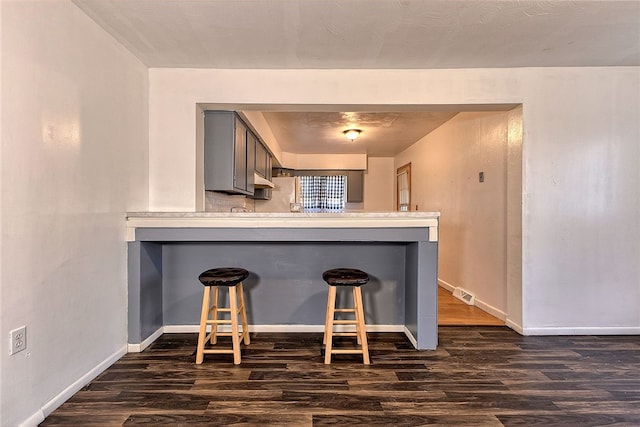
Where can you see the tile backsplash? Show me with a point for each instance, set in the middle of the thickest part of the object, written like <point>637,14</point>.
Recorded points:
<point>221,202</point>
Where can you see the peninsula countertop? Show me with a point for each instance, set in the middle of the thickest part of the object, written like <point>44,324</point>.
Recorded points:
<point>278,219</point>
<point>282,220</point>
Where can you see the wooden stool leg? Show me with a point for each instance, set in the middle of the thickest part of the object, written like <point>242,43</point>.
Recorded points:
<point>233,305</point>
<point>203,325</point>
<point>243,315</point>
<point>326,318</point>
<point>331,306</point>
<point>354,291</point>
<point>361,330</point>
<point>214,316</point>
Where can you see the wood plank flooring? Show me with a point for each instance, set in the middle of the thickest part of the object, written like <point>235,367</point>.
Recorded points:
<point>478,376</point>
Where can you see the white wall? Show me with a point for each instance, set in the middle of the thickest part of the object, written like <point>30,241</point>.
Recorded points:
<point>379,185</point>
<point>324,161</point>
<point>444,177</point>
<point>514,218</point>
<point>581,186</point>
<point>74,160</point>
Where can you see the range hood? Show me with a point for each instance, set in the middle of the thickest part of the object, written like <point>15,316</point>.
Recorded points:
<point>260,182</point>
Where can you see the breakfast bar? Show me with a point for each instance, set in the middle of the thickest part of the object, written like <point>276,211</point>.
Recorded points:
<point>286,254</point>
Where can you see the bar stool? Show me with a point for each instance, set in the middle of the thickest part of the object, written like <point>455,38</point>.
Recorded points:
<point>345,277</point>
<point>213,279</point>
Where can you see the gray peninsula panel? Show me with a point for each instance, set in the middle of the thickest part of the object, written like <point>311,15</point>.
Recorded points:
<point>285,285</point>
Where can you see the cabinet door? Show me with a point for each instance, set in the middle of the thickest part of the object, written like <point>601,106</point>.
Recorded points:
<point>268,173</point>
<point>240,156</point>
<point>252,141</point>
<point>219,140</point>
<point>261,160</point>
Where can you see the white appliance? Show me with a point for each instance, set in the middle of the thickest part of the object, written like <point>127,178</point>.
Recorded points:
<point>285,192</point>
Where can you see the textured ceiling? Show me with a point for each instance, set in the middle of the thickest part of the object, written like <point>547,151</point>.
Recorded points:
<point>373,33</point>
<point>370,34</point>
<point>383,134</point>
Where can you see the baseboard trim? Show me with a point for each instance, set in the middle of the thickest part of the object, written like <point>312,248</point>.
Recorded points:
<point>137,348</point>
<point>597,330</point>
<point>491,310</point>
<point>410,337</point>
<point>33,420</point>
<point>189,329</point>
<point>181,329</point>
<point>68,392</point>
<point>515,326</point>
<point>447,286</point>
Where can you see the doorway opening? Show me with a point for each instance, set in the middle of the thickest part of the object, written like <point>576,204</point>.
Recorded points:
<point>505,301</point>
<point>470,170</point>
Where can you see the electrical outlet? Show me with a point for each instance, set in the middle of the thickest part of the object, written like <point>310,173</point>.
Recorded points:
<point>17,340</point>
<point>481,177</point>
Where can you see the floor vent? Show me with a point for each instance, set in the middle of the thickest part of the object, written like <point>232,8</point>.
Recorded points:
<point>464,296</point>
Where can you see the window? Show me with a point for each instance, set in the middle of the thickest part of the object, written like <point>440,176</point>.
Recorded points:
<point>323,193</point>
<point>403,178</point>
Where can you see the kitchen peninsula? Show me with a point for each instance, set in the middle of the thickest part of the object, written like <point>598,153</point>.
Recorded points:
<point>286,254</point>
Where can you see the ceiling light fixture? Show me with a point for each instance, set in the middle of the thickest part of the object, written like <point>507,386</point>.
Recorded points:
<point>352,134</point>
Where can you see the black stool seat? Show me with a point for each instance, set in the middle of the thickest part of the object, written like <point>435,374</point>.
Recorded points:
<point>345,277</point>
<point>229,276</point>
<point>213,279</point>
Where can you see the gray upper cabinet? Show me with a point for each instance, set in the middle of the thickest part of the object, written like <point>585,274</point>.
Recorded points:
<point>229,153</point>
<point>355,187</point>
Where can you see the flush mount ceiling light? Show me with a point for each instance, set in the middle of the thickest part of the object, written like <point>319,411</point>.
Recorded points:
<point>352,134</point>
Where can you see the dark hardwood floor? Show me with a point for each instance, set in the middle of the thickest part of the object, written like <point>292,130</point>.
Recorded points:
<point>478,376</point>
